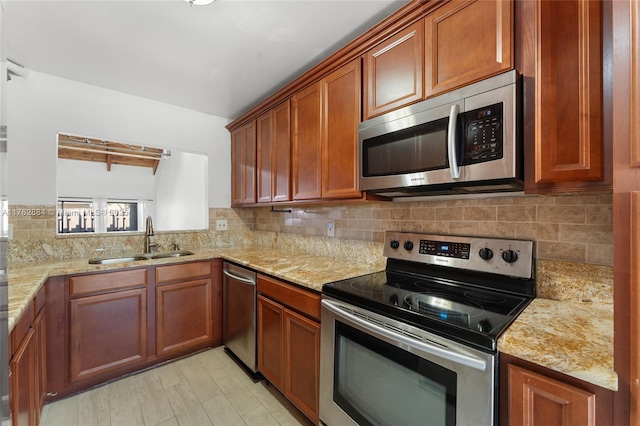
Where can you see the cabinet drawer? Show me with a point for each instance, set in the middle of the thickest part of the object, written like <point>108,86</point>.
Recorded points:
<point>299,299</point>
<point>183,271</point>
<point>109,281</point>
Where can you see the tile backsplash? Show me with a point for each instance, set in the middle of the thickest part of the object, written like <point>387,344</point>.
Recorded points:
<point>575,228</point>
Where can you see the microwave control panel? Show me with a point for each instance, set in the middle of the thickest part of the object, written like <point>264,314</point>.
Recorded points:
<point>483,134</point>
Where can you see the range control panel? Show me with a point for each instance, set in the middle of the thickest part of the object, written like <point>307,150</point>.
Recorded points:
<point>498,256</point>
<point>445,248</point>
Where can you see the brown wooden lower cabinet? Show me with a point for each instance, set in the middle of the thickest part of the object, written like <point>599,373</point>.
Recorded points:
<point>40,335</point>
<point>536,396</point>
<point>289,342</point>
<point>27,366</point>
<point>103,325</point>
<point>271,341</point>
<point>302,363</point>
<point>107,332</point>
<point>22,367</point>
<point>184,315</point>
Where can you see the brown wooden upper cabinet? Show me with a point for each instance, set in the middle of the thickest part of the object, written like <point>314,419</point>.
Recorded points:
<point>306,147</point>
<point>274,154</point>
<point>393,72</point>
<point>243,164</point>
<point>458,43</point>
<point>561,60</point>
<point>467,41</point>
<point>325,123</point>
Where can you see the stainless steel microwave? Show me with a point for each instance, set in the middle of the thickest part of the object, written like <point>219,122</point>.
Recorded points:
<point>461,142</point>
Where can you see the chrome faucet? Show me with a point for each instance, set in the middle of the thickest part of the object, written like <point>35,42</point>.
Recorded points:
<point>147,236</point>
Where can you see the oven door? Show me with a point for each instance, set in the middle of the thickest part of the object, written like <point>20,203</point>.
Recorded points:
<point>377,371</point>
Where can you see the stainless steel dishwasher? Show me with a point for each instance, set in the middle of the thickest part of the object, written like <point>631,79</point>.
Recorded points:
<point>239,314</point>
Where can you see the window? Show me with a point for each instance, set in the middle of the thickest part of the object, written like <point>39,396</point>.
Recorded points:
<point>122,216</point>
<point>76,216</point>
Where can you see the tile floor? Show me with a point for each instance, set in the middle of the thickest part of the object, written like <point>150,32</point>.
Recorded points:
<point>207,388</point>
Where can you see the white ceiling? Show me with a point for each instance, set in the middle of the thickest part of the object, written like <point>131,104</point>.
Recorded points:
<point>219,59</point>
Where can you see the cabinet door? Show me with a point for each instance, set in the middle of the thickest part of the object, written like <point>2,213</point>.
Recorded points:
<point>341,103</point>
<point>184,316</point>
<point>281,153</point>
<point>536,400</point>
<point>264,167</point>
<point>40,363</point>
<point>561,59</point>
<point>302,363</point>
<point>271,341</point>
<point>393,72</point>
<point>236,167</point>
<point>243,165</point>
<point>274,155</point>
<point>22,367</point>
<point>307,143</point>
<point>107,332</point>
<point>466,41</point>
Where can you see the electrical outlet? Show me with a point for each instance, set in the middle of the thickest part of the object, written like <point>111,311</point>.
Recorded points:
<point>331,229</point>
<point>221,224</point>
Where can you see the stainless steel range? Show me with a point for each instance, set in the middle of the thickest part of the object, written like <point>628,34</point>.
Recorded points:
<point>416,343</point>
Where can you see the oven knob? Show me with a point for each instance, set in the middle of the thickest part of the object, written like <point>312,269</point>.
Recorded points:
<point>408,245</point>
<point>509,256</point>
<point>394,244</point>
<point>485,253</point>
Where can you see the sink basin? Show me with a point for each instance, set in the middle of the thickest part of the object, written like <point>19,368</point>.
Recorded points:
<point>133,258</point>
<point>116,260</point>
<point>170,254</point>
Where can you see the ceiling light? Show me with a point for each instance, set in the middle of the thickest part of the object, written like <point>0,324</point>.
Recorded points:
<point>199,2</point>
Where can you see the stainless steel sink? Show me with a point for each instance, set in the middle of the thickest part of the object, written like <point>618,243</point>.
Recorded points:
<point>135,257</point>
<point>109,260</point>
<point>171,254</point>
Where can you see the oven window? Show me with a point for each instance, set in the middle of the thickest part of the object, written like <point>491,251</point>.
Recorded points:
<point>376,383</point>
<point>417,149</point>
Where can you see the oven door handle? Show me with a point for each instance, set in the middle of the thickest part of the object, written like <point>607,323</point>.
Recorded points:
<point>446,353</point>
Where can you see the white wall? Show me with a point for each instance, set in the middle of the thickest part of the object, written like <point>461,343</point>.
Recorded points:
<point>90,179</point>
<point>180,184</point>
<point>41,106</point>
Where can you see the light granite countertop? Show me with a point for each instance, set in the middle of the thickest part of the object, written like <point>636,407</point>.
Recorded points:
<point>307,270</point>
<point>571,337</point>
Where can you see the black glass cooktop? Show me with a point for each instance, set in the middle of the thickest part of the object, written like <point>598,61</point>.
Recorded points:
<point>446,306</point>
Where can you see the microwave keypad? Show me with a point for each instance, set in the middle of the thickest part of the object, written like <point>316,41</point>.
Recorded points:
<point>483,136</point>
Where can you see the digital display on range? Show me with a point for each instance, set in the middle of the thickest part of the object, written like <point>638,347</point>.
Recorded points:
<point>445,249</point>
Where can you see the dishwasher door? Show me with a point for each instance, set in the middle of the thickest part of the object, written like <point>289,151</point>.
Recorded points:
<point>239,313</point>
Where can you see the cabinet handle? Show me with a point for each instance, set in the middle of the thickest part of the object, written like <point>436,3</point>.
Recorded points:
<point>52,393</point>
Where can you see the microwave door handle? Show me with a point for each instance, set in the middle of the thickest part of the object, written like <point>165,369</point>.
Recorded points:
<point>451,142</point>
